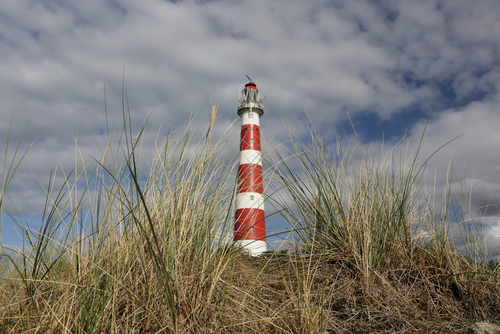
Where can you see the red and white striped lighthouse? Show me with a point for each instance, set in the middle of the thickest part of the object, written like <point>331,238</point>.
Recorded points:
<point>250,226</point>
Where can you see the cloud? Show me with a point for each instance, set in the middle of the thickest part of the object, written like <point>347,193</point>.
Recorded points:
<point>384,59</point>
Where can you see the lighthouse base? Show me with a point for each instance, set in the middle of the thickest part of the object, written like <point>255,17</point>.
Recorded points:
<point>253,247</point>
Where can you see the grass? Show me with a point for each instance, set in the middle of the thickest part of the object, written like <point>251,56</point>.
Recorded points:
<point>140,247</point>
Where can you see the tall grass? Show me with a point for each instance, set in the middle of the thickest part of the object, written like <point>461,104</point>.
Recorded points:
<point>349,201</point>
<point>150,228</point>
<point>366,203</point>
<point>369,212</point>
<point>132,244</point>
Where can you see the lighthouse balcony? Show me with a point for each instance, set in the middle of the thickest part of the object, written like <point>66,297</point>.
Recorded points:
<point>255,106</point>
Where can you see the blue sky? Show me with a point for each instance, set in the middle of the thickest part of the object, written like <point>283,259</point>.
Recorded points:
<point>386,64</point>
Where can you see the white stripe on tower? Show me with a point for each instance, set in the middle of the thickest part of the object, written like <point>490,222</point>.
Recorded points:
<point>249,225</point>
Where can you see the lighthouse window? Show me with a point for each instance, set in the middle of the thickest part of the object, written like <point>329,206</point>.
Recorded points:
<point>250,115</point>
<point>251,141</point>
<point>251,229</point>
<point>251,197</point>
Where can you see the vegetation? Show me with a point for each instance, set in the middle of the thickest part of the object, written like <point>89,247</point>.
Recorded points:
<point>144,250</point>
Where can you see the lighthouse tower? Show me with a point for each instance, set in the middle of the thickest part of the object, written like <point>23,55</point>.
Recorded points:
<point>250,226</point>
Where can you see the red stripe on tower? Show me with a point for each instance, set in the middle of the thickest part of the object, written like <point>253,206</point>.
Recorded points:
<point>249,225</point>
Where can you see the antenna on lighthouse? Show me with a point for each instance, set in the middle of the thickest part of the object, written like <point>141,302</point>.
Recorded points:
<point>249,222</point>
<point>248,78</point>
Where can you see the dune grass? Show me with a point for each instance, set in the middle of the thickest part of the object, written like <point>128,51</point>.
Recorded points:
<point>133,245</point>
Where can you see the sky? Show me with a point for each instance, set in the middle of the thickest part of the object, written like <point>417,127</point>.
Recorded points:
<point>381,66</point>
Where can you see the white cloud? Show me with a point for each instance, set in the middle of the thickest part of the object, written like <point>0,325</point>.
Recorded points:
<point>323,56</point>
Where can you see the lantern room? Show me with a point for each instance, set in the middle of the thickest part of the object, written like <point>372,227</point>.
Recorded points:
<point>250,100</point>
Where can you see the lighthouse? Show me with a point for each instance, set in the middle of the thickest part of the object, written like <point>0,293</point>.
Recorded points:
<point>249,225</point>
